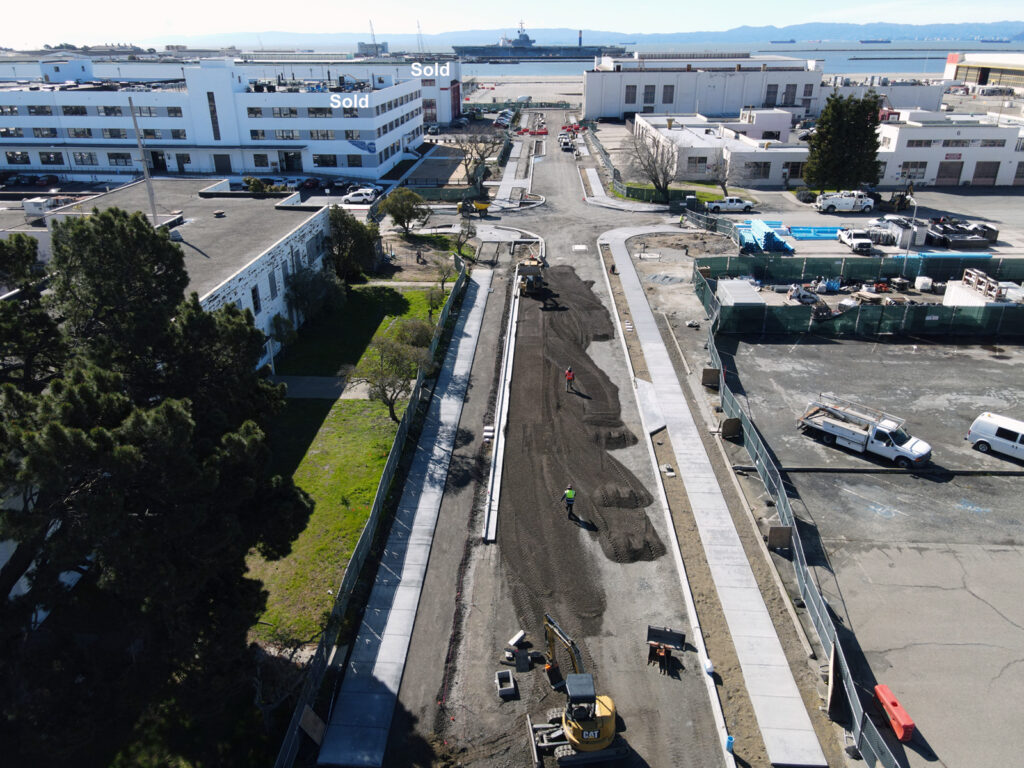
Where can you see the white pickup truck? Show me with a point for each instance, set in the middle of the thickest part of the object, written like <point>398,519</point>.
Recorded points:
<point>730,204</point>
<point>856,239</point>
<point>864,429</point>
<point>845,201</point>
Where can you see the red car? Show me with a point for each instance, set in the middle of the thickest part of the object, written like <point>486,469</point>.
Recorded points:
<point>49,180</point>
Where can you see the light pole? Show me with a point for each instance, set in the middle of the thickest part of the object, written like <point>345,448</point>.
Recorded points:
<point>913,231</point>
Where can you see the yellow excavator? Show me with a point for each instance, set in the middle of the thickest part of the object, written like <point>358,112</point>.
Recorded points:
<point>584,731</point>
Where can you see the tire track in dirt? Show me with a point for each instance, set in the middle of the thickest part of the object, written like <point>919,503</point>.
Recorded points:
<point>556,437</point>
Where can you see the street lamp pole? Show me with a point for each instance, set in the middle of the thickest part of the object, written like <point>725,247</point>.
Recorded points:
<point>913,231</point>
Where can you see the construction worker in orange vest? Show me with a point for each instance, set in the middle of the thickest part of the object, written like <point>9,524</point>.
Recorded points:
<point>570,378</point>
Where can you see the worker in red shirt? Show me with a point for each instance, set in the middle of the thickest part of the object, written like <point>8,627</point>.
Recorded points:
<point>570,378</point>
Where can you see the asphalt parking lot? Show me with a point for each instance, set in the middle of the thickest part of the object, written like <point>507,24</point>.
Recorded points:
<point>924,568</point>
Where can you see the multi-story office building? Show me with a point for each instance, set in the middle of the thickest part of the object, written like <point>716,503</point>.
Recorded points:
<point>211,118</point>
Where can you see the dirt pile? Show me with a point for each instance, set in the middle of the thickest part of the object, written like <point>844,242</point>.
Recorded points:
<point>557,437</point>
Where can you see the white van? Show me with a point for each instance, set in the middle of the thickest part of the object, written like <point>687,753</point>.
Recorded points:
<point>992,432</point>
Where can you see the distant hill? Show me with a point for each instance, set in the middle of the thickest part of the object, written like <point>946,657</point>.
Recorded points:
<point>552,36</point>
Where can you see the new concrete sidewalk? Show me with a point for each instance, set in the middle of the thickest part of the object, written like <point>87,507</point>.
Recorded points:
<point>361,717</point>
<point>785,726</point>
<point>600,198</point>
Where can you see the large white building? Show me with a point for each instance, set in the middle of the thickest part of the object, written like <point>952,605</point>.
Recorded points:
<point>725,85</point>
<point>949,149</point>
<point>752,151</point>
<point>211,118</point>
<point>987,69</point>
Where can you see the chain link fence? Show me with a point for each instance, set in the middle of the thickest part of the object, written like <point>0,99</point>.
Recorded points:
<point>318,664</point>
<point>867,738</point>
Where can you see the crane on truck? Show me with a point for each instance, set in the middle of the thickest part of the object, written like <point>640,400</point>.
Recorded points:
<point>583,732</point>
<point>863,429</point>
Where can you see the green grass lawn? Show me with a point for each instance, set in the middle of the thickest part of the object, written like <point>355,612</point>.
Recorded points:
<point>337,458</point>
<point>336,340</point>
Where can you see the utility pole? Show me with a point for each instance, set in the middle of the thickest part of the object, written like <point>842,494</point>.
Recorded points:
<point>145,165</point>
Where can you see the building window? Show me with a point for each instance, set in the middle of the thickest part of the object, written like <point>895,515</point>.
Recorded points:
<point>17,158</point>
<point>178,133</point>
<point>184,158</point>
<point>8,111</point>
<point>73,111</point>
<point>44,133</point>
<point>885,141</point>
<point>272,280</point>
<point>214,123</point>
<point>40,110</point>
<point>668,94</point>
<point>145,111</point>
<point>913,170</point>
<point>115,133</point>
<point>11,133</point>
<point>325,161</point>
<point>119,158</point>
<point>174,112</point>
<point>254,112</point>
<point>350,112</point>
<point>758,170</point>
<point>428,83</point>
<point>109,111</point>
<point>881,169</point>
<point>1018,177</point>
<point>258,135</point>
<point>285,112</point>
<point>993,142</point>
<point>649,94</point>
<point>917,143</point>
<point>321,135</point>
<point>320,112</point>
<point>80,133</point>
<point>288,135</point>
<point>771,95</point>
<point>956,142</point>
<point>808,90</point>
<point>51,158</point>
<point>353,161</point>
<point>84,158</point>
<point>352,135</point>
<point>631,94</point>
<point>793,169</point>
<point>151,133</point>
<point>789,95</point>
<point>697,165</point>
<point>255,293</point>
<point>261,160</point>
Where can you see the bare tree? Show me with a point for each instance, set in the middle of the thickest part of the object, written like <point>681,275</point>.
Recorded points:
<point>655,160</point>
<point>477,144</point>
<point>467,231</point>
<point>444,266</point>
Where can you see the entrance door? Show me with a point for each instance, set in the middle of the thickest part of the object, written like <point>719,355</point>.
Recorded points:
<point>290,161</point>
<point>159,161</point>
<point>222,163</point>
<point>985,174</point>
<point>181,162</point>
<point>949,173</point>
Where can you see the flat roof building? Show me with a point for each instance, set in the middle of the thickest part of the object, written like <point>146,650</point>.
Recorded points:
<point>983,68</point>
<point>211,118</point>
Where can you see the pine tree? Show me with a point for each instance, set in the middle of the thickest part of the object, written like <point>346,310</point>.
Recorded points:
<point>844,147</point>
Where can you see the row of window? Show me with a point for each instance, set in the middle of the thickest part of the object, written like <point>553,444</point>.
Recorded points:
<point>78,110</point>
<point>79,158</point>
<point>296,261</point>
<point>290,134</point>
<point>668,94</point>
<point>178,134</point>
<point>923,143</point>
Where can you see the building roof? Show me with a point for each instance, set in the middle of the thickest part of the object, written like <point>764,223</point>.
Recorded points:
<point>215,247</point>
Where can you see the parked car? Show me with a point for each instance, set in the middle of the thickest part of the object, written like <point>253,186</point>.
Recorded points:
<point>359,197</point>
<point>992,432</point>
<point>310,183</point>
<point>432,130</point>
<point>21,180</point>
<point>48,180</point>
<point>857,240</point>
<point>730,204</point>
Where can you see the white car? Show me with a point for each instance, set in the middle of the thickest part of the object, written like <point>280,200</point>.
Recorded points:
<point>360,196</point>
<point>730,204</point>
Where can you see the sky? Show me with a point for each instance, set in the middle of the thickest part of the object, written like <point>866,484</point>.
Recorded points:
<point>23,25</point>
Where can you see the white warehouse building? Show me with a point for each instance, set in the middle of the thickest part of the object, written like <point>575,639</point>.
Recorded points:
<point>217,118</point>
<point>724,85</point>
<point>752,151</point>
<point>948,149</point>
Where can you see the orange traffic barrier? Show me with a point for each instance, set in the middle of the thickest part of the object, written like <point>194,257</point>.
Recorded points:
<point>900,721</point>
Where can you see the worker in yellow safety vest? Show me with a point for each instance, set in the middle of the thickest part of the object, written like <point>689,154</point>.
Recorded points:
<point>569,497</point>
